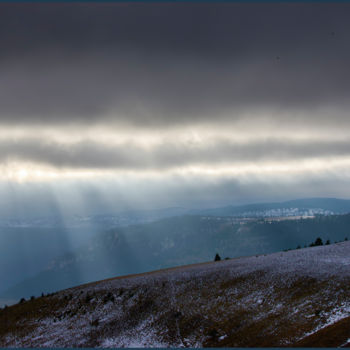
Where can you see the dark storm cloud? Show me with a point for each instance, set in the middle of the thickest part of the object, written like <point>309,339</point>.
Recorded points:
<point>166,155</point>
<point>165,64</point>
<point>218,30</point>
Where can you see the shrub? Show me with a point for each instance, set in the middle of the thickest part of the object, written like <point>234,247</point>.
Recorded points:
<point>108,297</point>
<point>88,298</point>
<point>213,333</point>
<point>94,323</point>
<point>177,314</point>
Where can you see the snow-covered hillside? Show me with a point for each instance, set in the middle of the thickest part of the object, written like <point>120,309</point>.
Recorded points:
<point>280,299</point>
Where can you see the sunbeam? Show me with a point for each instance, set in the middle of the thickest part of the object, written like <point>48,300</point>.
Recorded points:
<point>142,136</point>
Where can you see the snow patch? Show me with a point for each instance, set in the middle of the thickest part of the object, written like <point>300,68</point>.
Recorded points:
<point>144,336</point>
<point>334,316</point>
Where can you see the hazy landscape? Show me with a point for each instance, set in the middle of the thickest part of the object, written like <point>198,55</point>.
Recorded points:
<point>174,174</point>
<point>98,249</point>
<point>273,287</point>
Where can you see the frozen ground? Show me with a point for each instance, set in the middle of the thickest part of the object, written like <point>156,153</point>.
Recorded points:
<point>272,300</point>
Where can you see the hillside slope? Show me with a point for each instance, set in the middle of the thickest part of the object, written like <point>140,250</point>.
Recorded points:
<point>283,299</point>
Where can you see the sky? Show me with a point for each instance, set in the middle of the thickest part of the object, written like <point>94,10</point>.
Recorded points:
<point>148,105</point>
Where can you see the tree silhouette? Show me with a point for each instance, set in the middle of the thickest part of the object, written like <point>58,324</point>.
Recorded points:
<point>318,241</point>
<point>217,257</point>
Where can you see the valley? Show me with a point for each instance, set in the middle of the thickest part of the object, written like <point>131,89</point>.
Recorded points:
<point>92,253</point>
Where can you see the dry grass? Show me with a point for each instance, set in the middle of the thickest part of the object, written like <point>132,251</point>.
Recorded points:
<point>334,335</point>
<point>221,304</point>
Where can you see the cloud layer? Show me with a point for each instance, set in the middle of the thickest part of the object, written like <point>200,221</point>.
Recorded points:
<point>168,155</point>
<point>171,64</point>
<point>208,101</point>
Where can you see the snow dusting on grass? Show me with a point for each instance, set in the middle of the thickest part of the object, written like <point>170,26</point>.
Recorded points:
<point>143,337</point>
<point>272,300</point>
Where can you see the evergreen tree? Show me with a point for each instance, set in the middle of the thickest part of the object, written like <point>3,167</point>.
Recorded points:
<point>318,241</point>
<point>217,257</point>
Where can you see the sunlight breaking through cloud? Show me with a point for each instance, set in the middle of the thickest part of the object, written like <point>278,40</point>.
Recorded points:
<point>236,101</point>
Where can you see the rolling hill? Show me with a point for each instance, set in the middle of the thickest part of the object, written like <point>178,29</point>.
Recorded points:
<point>285,299</point>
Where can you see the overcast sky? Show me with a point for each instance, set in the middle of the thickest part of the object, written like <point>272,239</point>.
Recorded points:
<point>189,103</point>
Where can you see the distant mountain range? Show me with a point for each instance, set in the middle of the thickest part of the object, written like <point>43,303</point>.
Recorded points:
<point>299,207</point>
